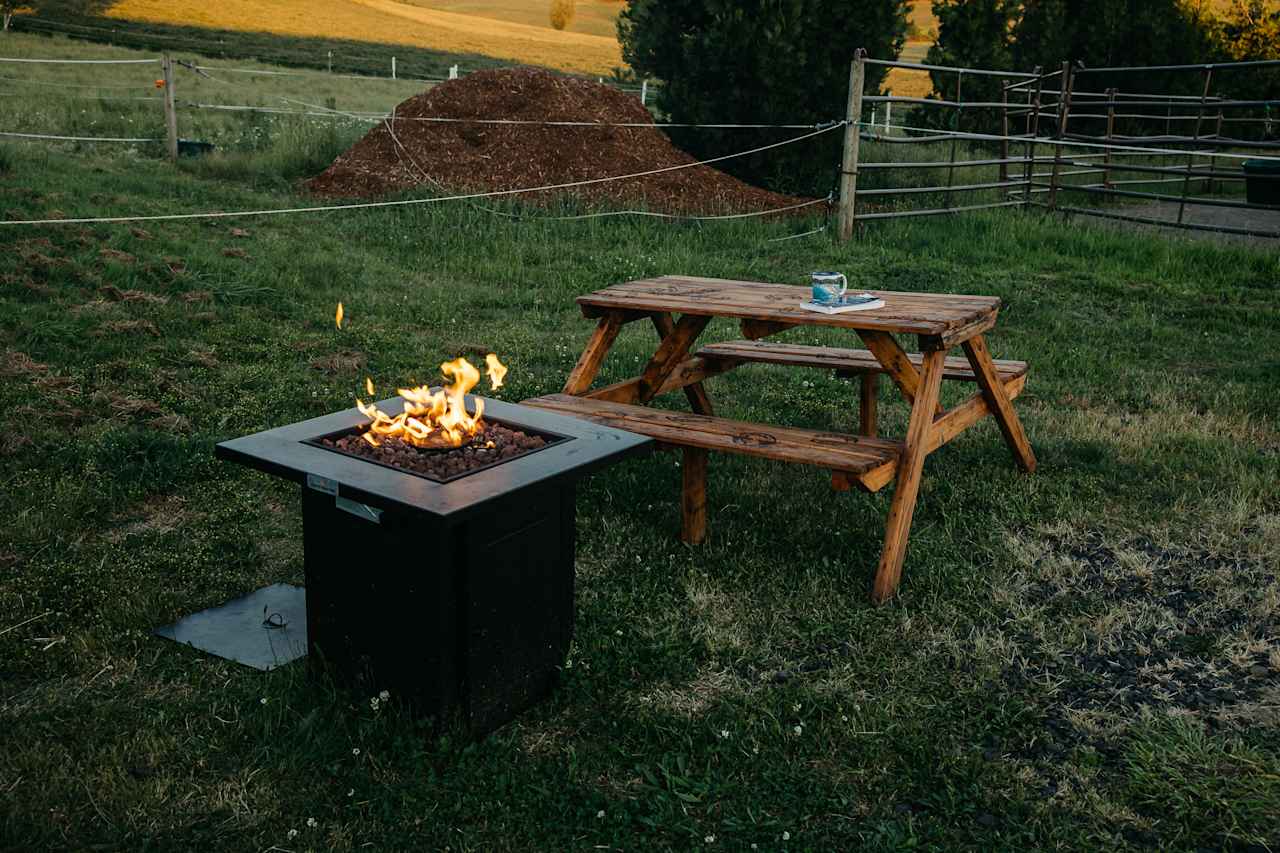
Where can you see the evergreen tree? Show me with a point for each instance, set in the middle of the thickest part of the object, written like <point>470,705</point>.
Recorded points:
<point>760,61</point>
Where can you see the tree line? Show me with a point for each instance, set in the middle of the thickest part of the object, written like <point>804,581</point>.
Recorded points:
<point>787,61</point>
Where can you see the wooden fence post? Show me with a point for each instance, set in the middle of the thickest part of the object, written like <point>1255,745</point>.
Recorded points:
<point>849,161</point>
<point>1004,134</point>
<point>1064,114</point>
<point>331,62</point>
<point>1111,129</point>
<point>170,109</point>
<point>644,92</point>
<point>393,68</point>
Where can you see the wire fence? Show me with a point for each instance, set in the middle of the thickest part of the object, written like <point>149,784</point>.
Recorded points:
<point>1057,139</point>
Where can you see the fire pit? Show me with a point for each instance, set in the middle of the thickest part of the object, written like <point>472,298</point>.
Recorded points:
<point>443,573</point>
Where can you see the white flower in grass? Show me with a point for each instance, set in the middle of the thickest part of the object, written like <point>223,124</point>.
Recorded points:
<point>293,833</point>
<point>600,814</point>
<point>312,822</point>
<point>355,750</point>
<point>385,695</point>
<point>263,700</point>
<point>351,792</point>
<point>799,730</point>
<point>786,836</point>
<point>796,708</point>
<point>710,839</point>
<point>373,703</point>
<point>724,734</point>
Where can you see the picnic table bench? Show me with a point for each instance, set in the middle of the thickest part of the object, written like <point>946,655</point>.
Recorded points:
<point>864,460</point>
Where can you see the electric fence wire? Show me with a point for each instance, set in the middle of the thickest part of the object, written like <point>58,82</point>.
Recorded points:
<point>17,135</point>
<point>413,202</point>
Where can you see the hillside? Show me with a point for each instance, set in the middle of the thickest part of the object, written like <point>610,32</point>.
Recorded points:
<point>389,22</point>
<point>593,17</point>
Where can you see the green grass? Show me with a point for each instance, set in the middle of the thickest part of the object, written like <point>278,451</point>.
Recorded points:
<point>1082,659</point>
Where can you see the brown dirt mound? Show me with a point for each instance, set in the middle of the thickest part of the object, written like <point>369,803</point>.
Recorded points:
<point>484,157</point>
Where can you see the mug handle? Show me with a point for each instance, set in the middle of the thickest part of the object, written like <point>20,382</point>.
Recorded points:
<point>844,284</point>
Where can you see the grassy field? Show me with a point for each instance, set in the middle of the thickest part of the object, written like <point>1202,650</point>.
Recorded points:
<point>390,22</point>
<point>593,17</point>
<point>1083,659</point>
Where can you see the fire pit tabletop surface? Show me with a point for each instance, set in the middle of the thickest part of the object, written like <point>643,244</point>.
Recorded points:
<point>576,448</point>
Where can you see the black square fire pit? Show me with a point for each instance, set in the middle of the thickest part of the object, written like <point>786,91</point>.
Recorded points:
<point>453,590</point>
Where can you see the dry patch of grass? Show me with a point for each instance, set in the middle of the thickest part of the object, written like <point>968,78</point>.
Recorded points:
<point>346,361</point>
<point>128,327</point>
<point>115,294</point>
<point>157,515</point>
<point>1112,630</point>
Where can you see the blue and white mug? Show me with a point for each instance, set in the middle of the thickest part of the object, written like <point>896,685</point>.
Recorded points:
<point>828,287</point>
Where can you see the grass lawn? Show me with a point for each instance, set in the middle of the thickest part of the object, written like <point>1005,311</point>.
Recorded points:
<point>1087,658</point>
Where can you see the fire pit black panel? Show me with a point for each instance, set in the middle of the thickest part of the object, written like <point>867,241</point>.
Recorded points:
<point>455,596</point>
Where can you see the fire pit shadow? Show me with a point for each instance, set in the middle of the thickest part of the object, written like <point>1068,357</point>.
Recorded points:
<point>456,595</point>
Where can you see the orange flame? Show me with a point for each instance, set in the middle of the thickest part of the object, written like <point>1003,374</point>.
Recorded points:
<point>337,318</point>
<point>368,385</point>
<point>497,371</point>
<point>432,420</point>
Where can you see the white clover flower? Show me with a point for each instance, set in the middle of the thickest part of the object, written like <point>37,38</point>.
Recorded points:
<point>786,836</point>
<point>312,822</point>
<point>263,700</point>
<point>710,839</point>
<point>724,734</point>
<point>385,695</point>
<point>293,833</point>
<point>600,814</point>
<point>355,750</point>
<point>351,792</point>
<point>799,730</point>
<point>373,703</point>
<point>796,708</point>
<point>844,718</point>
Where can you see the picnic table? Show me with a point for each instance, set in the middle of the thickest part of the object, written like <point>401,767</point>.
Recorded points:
<point>864,460</point>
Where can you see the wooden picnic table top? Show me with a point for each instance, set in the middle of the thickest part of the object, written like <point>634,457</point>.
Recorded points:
<point>929,314</point>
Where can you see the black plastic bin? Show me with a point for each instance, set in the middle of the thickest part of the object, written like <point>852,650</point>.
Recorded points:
<point>1262,182</point>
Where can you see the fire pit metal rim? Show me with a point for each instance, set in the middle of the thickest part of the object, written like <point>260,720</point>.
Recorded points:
<point>284,451</point>
<point>551,438</point>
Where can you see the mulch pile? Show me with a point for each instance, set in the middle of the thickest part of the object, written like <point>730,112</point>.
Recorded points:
<point>459,157</point>
<point>495,443</point>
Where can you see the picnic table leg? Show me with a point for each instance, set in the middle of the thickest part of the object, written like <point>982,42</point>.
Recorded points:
<point>894,359</point>
<point>999,403</point>
<point>673,349</point>
<point>910,466</point>
<point>693,496</point>
<point>868,392</point>
<point>697,395</point>
<point>584,372</point>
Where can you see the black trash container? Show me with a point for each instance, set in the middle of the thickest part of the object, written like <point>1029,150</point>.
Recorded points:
<point>1262,181</point>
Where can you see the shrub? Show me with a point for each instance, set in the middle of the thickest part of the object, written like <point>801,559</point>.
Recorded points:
<point>562,13</point>
<point>760,61</point>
